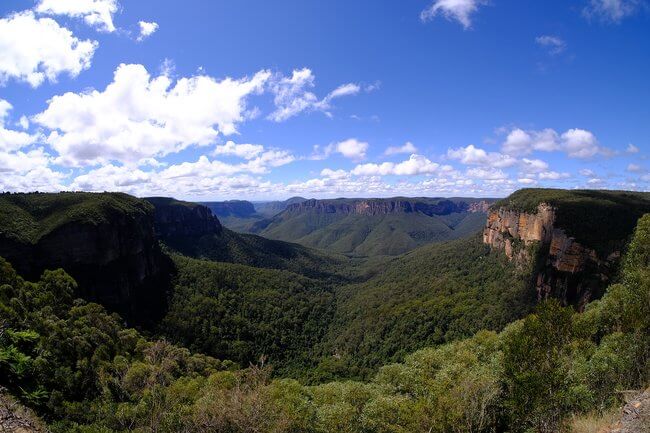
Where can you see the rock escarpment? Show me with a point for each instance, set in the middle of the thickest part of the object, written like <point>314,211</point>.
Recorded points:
<point>563,267</point>
<point>372,207</point>
<point>177,219</point>
<point>106,242</point>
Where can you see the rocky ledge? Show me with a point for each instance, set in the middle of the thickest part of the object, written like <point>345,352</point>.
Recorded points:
<point>563,267</point>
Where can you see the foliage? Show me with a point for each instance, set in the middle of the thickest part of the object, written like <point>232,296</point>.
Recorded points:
<point>331,226</point>
<point>596,218</point>
<point>241,313</point>
<point>28,217</point>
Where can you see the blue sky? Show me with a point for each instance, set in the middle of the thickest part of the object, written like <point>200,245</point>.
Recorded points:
<point>270,99</point>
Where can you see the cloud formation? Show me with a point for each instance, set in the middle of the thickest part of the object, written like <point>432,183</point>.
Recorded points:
<point>35,49</point>
<point>138,116</point>
<point>611,11</point>
<point>459,10</point>
<point>293,95</point>
<point>96,13</point>
<point>407,147</point>
<point>146,29</point>
<point>553,44</point>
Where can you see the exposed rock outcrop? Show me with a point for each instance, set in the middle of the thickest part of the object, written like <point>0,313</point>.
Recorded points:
<point>564,268</point>
<point>176,219</point>
<point>114,256</point>
<point>381,206</point>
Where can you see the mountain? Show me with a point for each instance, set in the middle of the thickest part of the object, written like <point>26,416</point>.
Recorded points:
<point>453,336</point>
<point>105,241</point>
<point>241,215</point>
<point>271,208</point>
<point>191,229</point>
<point>575,238</point>
<point>373,227</point>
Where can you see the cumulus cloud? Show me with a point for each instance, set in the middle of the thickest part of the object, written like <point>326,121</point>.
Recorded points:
<point>533,165</point>
<point>632,148</point>
<point>553,175</point>
<point>293,95</point>
<point>472,155</point>
<point>579,143</point>
<point>96,13</point>
<point>33,50</point>
<point>553,44</point>
<point>576,143</point>
<point>146,29</point>
<point>489,174</point>
<point>138,116</point>
<point>415,165</point>
<point>634,168</point>
<point>459,10</point>
<point>245,151</point>
<point>587,172</point>
<point>11,140</point>
<point>520,142</point>
<point>408,147</point>
<point>351,148</point>
<point>611,11</point>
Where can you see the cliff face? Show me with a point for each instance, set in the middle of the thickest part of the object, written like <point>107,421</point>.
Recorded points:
<point>115,260</point>
<point>563,267</point>
<point>184,221</point>
<point>380,207</point>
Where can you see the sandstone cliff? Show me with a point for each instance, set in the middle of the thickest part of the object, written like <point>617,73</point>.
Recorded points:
<point>178,219</point>
<point>383,206</point>
<point>562,267</point>
<point>106,242</point>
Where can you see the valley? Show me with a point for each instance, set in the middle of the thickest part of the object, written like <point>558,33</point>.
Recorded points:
<point>303,335</point>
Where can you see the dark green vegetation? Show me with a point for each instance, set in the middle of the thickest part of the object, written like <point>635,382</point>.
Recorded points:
<point>187,228</point>
<point>372,227</point>
<point>597,219</point>
<point>29,217</point>
<point>434,294</point>
<point>241,215</point>
<point>242,313</point>
<point>81,370</point>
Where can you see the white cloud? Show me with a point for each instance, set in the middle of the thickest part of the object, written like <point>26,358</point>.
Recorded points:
<point>408,147</point>
<point>293,95</point>
<point>579,143</point>
<point>526,180</point>
<point>415,165</point>
<point>33,50</point>
<point>146,29</point>
<point>632,148</point>
<point>611,11</point>
<point>96,13</point>
<point>634,168</point>
<point>138,116</point>
<point>11,140</point>
<point>486,174</point>
<point>245,151</point>
<point>554,44</point>
<point>459,10</point>
<point>350,148</point>
<point>553,175</point>
<point>576,143</point>
<point>520,142</point>
<point>533,165</point>
<point>472,155</point>
<point>587,173</point>
<point>334,174</point>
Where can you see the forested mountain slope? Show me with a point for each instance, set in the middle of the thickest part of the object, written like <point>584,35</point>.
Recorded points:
<point>83,371</point>
<point>372,227</point>
<point>207,239</point>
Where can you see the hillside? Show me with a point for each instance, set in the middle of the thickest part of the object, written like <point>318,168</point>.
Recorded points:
<point>81,370</point>
<point>241,215</point>
<point>105,241</point>
<point>374,227</point>
<point>210,241</point>
<point>431,295</point>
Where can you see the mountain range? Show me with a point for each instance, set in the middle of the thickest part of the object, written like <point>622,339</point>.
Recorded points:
<point>151,311</point>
